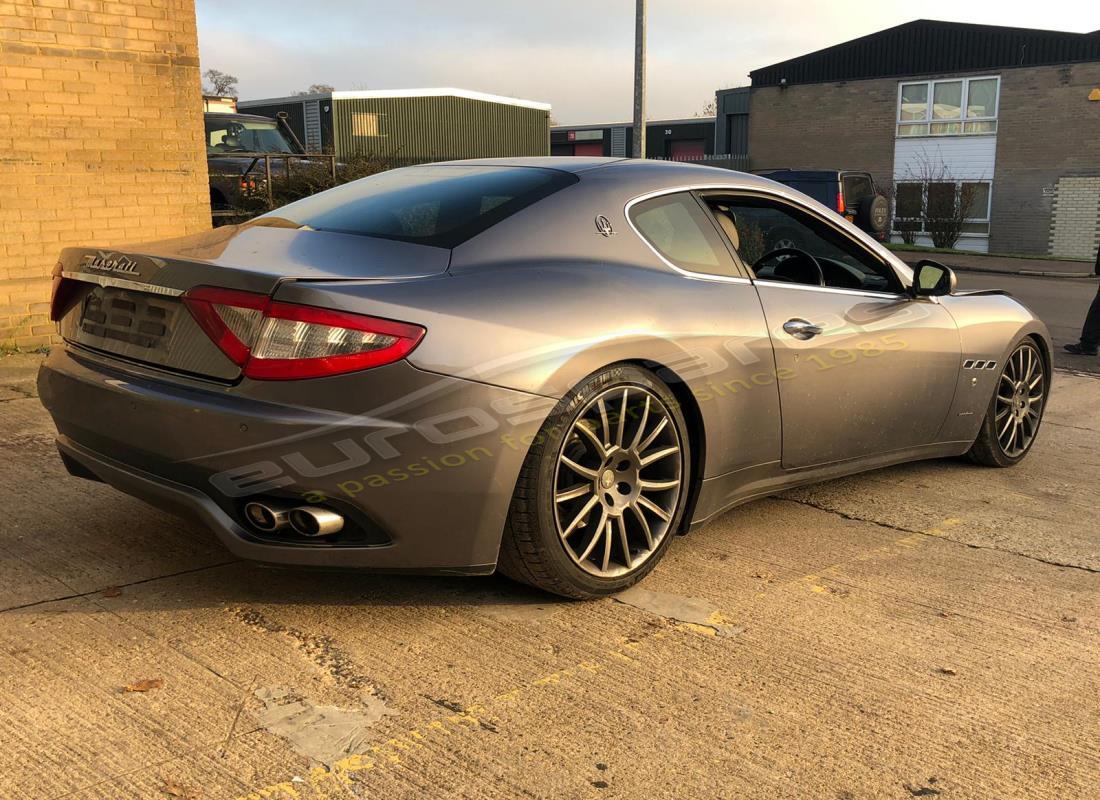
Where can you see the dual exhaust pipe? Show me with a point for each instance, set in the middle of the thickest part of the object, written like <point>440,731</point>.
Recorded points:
<point>304,520</point>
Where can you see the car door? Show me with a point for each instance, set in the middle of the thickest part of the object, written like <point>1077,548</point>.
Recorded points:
<point>863,368</point>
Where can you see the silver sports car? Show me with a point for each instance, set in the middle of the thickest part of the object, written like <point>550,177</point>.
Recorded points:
<point>546,366</point>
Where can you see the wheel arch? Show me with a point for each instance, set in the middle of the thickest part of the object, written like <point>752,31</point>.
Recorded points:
<point>1045,352</point>
<point>693,416</point>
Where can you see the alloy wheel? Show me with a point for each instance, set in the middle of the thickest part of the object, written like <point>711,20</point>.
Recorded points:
<point>1021,394</point>
<point>618,481</point>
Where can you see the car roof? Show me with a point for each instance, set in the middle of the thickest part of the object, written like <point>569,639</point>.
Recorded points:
<point>637,172</point>
<point>572,164</point>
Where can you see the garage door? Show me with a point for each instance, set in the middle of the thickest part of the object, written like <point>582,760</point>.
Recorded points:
<point>686,150</point>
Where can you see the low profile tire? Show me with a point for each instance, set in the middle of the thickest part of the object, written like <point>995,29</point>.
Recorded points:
<point>1015,411</point>
<point>602,491</point>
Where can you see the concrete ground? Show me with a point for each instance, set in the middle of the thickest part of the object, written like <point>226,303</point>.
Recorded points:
<point>931,630</point>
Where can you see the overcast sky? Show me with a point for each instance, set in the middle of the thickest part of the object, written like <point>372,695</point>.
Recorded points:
<point>575,54</point>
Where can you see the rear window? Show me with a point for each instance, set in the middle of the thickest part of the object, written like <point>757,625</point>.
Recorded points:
<point>856,187</point>
<point>437,205</point>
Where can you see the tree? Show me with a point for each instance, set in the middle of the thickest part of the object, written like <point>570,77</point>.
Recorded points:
<point>929,198</point>
<point>709,110</point>
<point>219,83</point>
<point>316,88</point>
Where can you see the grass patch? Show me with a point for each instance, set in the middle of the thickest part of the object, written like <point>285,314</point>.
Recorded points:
<point>915,248</point>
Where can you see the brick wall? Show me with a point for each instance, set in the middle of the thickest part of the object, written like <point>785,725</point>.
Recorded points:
<point>101,139</point>
<point>825,126</point>
<point>1048,129</point>
<point>1075,218</point>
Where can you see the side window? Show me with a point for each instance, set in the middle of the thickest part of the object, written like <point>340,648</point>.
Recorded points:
<point>770,237</point>
<point>679,230</point>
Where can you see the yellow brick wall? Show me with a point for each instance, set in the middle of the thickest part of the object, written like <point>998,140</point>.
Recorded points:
<point>101,139</point>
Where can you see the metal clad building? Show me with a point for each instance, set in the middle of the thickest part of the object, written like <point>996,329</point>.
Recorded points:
<point>731,125</point>
<point>927,46</point>
<point>415,125</point>
<point>689,139</point>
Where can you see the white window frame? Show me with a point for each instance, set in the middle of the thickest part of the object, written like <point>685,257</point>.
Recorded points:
<point>988,204</point>
<point>928,121</point>
<point>894,231</point>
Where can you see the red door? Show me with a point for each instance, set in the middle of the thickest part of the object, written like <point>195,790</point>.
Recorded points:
<point>588,149</point>
<point>686,150</point>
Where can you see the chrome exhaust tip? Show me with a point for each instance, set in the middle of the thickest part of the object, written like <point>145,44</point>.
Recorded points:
<point>311,521</point>
<point>266,518</point>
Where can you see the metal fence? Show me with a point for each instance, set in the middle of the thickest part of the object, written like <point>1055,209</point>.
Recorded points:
<point>257,180</point>
<point>736,161</point>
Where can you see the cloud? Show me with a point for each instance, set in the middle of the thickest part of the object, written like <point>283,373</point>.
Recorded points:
<point>575,54</point>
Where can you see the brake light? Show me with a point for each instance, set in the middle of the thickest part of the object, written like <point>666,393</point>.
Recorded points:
<point>271,340</point>
<point>63,292</point>
<point>839,201</point>
<point>230,318</point>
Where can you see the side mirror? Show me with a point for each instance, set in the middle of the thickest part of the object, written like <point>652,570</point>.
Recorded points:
<point>932,279</point>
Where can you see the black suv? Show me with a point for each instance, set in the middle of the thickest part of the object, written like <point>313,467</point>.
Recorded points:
<point>233,142</point>
<point>850,193</point>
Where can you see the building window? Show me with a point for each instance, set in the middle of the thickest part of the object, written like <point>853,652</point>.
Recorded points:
<point>948,108</point>
<point>980,195</point>
<point>911,199</point>
<point>366,124</point>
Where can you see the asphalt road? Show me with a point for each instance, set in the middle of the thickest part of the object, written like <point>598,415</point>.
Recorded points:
<point>1060,302</point>
<point>931,630</point>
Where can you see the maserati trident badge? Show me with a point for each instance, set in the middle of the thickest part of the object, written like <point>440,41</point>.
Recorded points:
<point>603,225</point>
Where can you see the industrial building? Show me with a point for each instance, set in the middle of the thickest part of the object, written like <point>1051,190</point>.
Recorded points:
<point>689,139</point>
<point>413,125</point>
<point>935,106</point>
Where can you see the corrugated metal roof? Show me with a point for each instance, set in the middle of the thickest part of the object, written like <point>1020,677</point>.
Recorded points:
<point>927,47</point>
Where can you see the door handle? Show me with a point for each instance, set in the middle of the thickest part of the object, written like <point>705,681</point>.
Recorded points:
<point>801,329</point>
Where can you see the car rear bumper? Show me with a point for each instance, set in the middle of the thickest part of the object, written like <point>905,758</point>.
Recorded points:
<point>427,464</point>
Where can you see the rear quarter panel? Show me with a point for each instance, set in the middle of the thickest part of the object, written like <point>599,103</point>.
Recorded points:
<point>541,324</point>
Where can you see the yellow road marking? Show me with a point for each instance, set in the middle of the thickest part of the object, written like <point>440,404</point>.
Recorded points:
<point>908,542</point>
<point>320,780</point>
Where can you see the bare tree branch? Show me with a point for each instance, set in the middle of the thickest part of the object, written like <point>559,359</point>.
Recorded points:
<point>219,83</point>
<point>929,198</point>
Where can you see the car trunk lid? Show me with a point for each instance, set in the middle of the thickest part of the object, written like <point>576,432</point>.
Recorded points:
<point>126,301</point>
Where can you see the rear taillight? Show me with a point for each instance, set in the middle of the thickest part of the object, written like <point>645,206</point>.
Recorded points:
<point>63,292</point>
<point>271,340</point>
<point>840,202</point>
